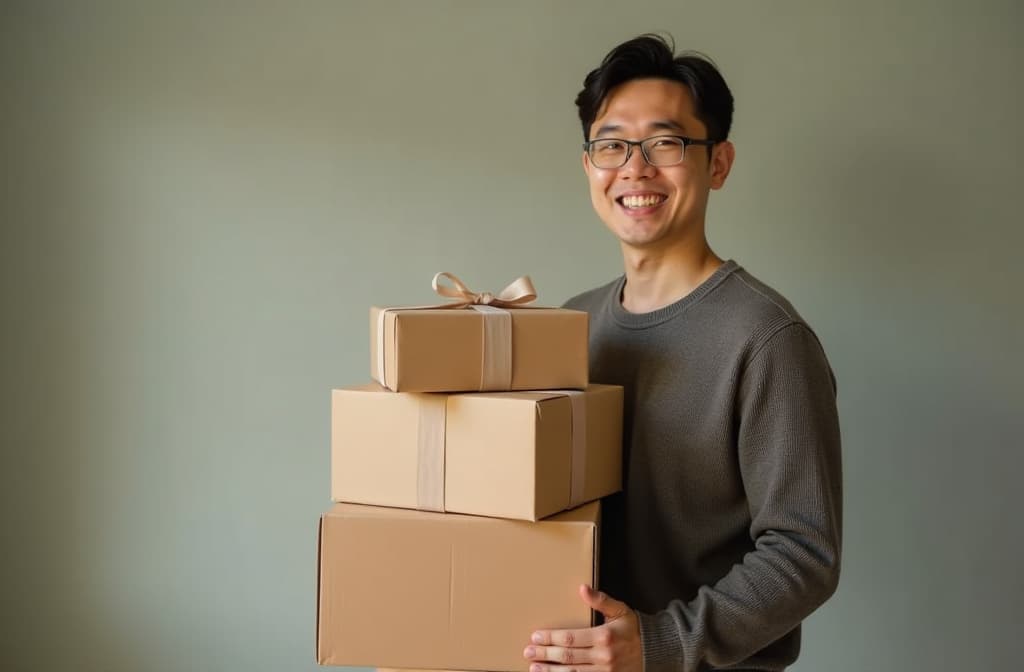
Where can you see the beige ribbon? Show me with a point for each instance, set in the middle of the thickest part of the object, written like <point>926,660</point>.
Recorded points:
<point>519,292</point>
<point>430,443</point>
<point>496,366</point>
<point>578,457</point>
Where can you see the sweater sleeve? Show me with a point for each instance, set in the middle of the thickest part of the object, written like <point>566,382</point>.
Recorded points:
<point>789,458</point>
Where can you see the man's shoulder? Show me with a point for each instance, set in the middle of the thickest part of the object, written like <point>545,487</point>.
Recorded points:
<point>752,298</point>
<point>750,310</point>
<point>759,316</point>
<point>592,299</point>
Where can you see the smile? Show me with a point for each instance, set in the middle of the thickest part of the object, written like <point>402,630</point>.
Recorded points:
<point>638,201</point>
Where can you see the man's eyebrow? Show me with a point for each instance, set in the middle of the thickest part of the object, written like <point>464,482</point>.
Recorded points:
<point>607,128</point>
<point>659,125</point>
<point>666,125</point>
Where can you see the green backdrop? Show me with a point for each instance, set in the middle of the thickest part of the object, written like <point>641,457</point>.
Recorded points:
<point>200,201</point>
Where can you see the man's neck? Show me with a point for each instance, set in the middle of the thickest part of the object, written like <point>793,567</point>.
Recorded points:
<point>658,278</point>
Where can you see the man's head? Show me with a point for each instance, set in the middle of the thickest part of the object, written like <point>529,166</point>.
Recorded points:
<point>651,57</point>
<point>655,193</point>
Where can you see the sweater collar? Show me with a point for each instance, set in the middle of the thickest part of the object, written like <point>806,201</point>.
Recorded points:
<point>655,317</point>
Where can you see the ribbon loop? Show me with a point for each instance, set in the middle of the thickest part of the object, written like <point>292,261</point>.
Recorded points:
<point>519,292</point>
<point>458,290</point>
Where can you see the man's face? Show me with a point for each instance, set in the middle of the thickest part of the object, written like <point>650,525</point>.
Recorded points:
<point>645,206</point>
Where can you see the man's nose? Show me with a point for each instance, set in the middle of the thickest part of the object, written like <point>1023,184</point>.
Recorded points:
<point>636,165</point>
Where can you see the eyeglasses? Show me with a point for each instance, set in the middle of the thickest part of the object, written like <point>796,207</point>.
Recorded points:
<point>658,150</point>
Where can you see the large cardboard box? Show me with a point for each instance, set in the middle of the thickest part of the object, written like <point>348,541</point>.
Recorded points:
<point>416,589</point>
<point>522,455</point>
<point>452,350</point>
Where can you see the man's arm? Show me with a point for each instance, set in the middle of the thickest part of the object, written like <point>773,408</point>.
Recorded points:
<point>789,456</point>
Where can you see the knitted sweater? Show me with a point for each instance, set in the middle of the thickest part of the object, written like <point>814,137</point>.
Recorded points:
<point>727,532</point>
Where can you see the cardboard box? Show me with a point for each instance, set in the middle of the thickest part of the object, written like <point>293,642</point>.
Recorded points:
<point>416,589</point>
<point>522,455</point>
<point>447,350</point>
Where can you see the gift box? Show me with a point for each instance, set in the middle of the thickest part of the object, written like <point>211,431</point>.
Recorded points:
<point>523,455</point>
<point>416,589</point>
<point>479,342</point>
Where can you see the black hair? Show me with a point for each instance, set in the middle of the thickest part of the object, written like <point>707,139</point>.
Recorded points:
<point>652,56</point>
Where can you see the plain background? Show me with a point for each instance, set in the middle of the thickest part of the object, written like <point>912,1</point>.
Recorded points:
<point>199,202</point>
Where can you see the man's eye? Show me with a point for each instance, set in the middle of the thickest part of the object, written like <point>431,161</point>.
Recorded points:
<point>666,142</point>
<point>610,147</point>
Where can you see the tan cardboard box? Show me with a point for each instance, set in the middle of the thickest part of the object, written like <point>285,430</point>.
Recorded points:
<point>522,455</point>
<point>443,350</point>
<point>416,589</point>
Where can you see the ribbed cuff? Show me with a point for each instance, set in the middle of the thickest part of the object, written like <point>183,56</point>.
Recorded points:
<point>660,642</point>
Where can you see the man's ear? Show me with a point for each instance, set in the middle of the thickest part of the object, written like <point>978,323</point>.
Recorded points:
<point>586,164</point>
<point>722,156</point>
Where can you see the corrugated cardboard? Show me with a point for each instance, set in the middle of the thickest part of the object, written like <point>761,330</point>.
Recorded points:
<point>442,350</point>
<point>505,454</point>
<point>415,589</point>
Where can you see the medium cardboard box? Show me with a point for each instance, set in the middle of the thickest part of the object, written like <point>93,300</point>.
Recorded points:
<point>522,455</point>
<point>417,589</point>
<point>444,350</point>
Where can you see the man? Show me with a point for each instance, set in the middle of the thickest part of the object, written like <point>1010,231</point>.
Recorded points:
<point>727,532</point>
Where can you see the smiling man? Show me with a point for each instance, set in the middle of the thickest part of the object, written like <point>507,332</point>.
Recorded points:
<point>727,532</point>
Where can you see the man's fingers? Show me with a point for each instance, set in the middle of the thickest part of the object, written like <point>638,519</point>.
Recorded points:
<point>568,638</point>
<point>558,654</point>
<point>543,667</point>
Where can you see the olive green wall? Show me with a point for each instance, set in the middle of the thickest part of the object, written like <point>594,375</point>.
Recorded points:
<point>200,200</point>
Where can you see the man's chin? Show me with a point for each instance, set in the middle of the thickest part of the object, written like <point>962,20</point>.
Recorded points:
<point>640,239</point>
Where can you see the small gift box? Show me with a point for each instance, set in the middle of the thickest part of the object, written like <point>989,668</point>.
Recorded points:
<point>478,342</point>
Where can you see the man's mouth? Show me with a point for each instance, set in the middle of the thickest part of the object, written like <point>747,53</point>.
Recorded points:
<point>640,201</point>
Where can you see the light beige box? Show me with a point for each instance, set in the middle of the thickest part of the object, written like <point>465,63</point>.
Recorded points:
<point>522,455</point>
<point>443,350</point>
<point>416,589</point>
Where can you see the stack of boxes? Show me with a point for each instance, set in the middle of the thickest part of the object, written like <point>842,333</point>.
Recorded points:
<point>464,520</point>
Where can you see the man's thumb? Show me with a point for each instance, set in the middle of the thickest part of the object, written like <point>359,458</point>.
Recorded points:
<point>598,601</point>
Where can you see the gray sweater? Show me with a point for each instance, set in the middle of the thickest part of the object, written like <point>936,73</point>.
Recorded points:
<point>727,533</point>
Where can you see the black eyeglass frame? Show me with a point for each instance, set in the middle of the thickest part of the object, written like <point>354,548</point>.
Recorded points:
<point>630,144</point>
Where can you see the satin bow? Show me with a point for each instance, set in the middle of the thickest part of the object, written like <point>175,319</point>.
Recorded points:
<point>519,292</point>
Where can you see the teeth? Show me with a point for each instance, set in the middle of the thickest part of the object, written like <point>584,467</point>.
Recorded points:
<point>641,201</point>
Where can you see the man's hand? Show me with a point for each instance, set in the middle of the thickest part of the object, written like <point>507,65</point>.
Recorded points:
<point>612,647</point>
